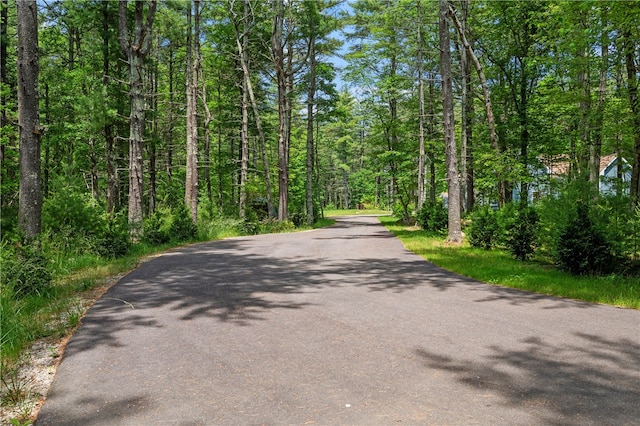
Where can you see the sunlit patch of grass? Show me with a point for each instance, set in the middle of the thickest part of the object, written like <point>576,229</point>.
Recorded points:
<point>499,267</point>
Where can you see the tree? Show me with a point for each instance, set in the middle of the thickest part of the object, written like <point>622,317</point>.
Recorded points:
<point>422,192</point>
<point>453,184</point>
<point>30,204</point>
<point>136,50</point>
<point>192,71</point>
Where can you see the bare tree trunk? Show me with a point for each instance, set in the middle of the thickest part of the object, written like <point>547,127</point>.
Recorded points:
<point>112,180</point>
<point>466,134</point>
<point>242,42</point>
<point>595,151</point>
<point>4,23</point>
<point>453,183</point>
<point>493,136</point>
<point>584,83</point>
<point>171,119</point>
<point>136,50</point>
<point>422,193</point>
<point>207,138</point>
<point>311,93</point>
<point>431,155</point>
<point>191,184</point>
<point>30,201</point>
<point>152,146</point>
<point>277,51</point>
<point>244,148</point>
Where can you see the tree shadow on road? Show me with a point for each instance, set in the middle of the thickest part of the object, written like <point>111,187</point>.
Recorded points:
<point>231,281</point>
<point>595,382</point>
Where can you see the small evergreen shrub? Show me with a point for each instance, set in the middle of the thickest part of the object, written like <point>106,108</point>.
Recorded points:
<point>114,241</point>
<point>521,234</point>
<point>156,230</point>
<point>433,217</point>
<point>582,249</point>
<point>484,231</point>
<point>182,227</point>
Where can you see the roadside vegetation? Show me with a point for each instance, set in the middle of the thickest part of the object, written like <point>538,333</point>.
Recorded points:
<point>573,258</point>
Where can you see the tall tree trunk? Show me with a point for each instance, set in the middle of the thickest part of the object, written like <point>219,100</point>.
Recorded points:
<point>171,118</point>
<point>431,128</point>
<point>191,184</point>
<point>277,51</point>
<point>311,93</point>
<point>136,50</point>
<point>584,83</point>
<point>242,42</point>
<point>109,138</point>
<point>4,23</point>
<point>244,149</point>
<point>466,134</point>
<point>208,117</point>
<point>422,193</point>
<point>453,183</point>
<point>595,150</point>
<point>632,81</point>
<point>30,201</point>
<point>152,145</point>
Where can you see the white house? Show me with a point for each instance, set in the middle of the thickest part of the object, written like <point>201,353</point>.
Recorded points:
<point>552,170</point>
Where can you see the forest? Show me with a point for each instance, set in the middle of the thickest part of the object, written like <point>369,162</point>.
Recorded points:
<point>511,123</point>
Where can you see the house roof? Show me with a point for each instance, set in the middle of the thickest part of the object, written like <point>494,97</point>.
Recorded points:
<point>559,165</point>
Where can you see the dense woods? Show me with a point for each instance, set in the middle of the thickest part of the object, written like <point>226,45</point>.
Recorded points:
<point>143,120</point>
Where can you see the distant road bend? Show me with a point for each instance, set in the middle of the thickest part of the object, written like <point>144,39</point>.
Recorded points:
<point>339,326</point>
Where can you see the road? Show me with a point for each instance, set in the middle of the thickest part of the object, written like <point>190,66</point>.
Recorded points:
<point>339,326</point>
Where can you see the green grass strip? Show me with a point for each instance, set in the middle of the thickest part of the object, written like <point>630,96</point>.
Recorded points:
<point>499,268</point>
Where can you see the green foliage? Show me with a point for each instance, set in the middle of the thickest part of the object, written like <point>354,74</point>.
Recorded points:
<point>114,240</point>
<point>582,248</point>
<point>433,217</point>
<point>169,224</point>
<point>182,227</point>
<point>157,227</point>
<point>68,208</point>
<point>25,269</point>
<point>484,231</point>
<point>522,234</point>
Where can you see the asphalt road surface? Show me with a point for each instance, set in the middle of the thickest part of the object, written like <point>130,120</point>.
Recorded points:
<point>339,326</point>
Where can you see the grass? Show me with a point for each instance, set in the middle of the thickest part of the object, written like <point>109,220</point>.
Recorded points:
<point>499,268</point>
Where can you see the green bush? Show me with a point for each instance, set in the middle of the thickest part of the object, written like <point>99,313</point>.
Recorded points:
<point>73,210</point>
<point>484,231</point>
<point>169,224</point>
<point>114,240</point>
<point>157,227</point>
<point>582,248</point>
<point>522,233</point>
<point>433,217</point>
<point>25,269</point>
<point>182,227</point>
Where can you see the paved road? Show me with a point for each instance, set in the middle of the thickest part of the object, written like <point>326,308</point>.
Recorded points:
<point>339,326</point>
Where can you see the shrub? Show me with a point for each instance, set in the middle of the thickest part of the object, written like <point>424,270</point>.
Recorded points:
<point>582,249</point>
<point>114,239</point>
<point>156,230</point>
<point>433,217</point>
<point>485,230</point>
<point>25,269</point>
<point>521,234</point>
<point>182,227</point>
<point>72,210</point>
